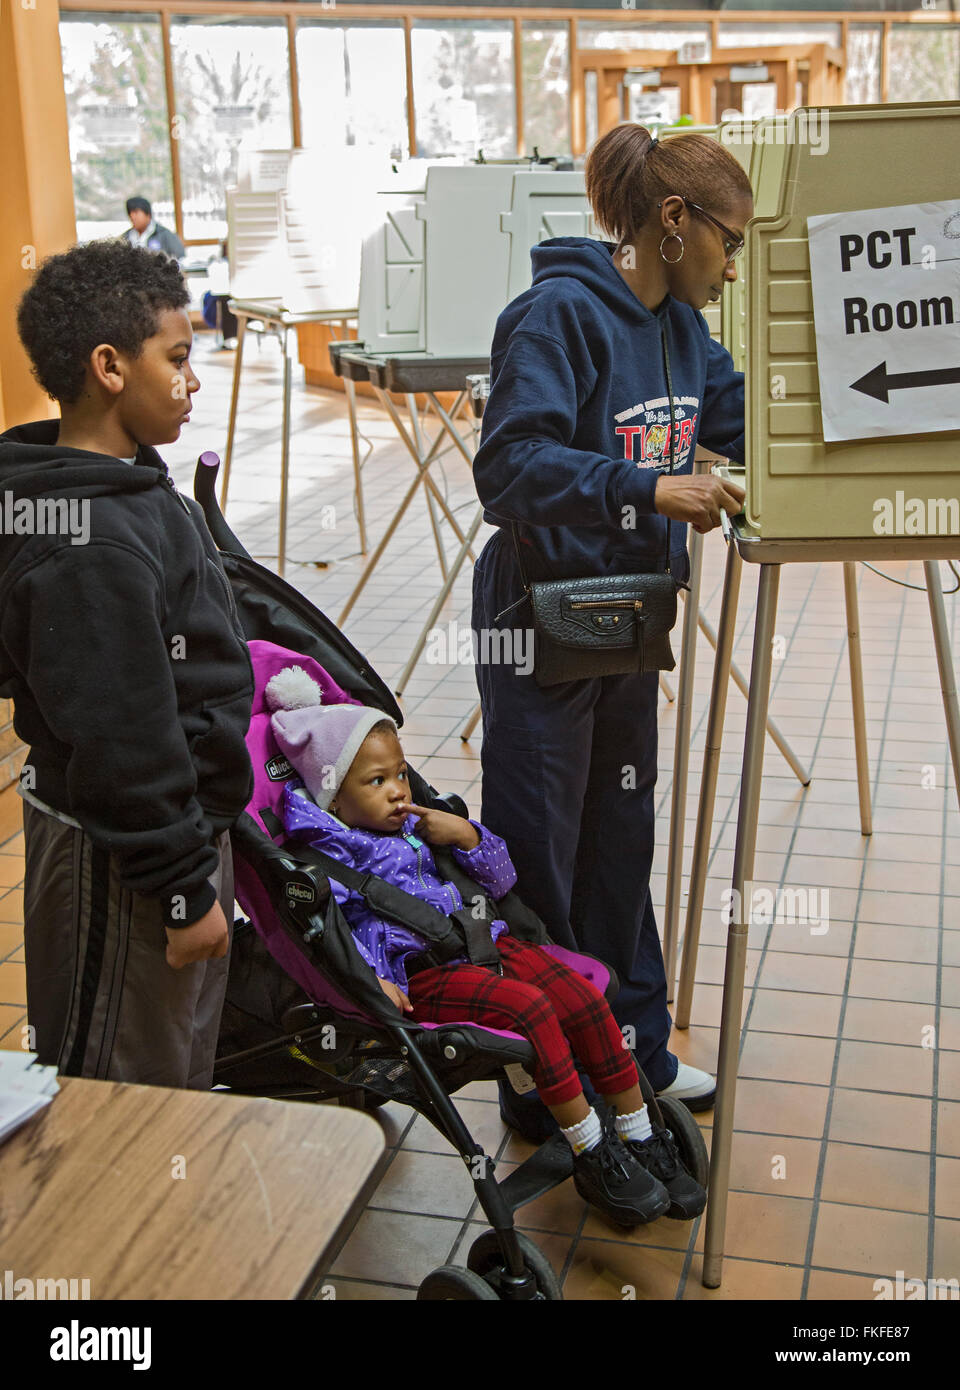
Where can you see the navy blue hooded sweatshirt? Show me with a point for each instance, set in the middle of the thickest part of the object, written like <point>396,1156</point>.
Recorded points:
<point>576,428</point>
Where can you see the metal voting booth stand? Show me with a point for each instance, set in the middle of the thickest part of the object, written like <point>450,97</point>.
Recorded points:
<point>797,488</point>
<point>274,316</point>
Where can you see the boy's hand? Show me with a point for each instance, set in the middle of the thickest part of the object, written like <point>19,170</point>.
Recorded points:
<point>442,827</point>
<point>208,938</point>
<point>395,993</point>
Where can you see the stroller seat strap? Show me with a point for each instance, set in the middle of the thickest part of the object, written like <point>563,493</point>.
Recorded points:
<point>449,936</point>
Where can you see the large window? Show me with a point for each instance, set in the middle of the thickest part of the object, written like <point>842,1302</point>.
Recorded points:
<point>779,32</point>
<point>353,84</point>
<point>117,110</point>
<point>641,36</point>
<point>463,81</point>
<point>862,74</point>
<point>233,90</point>
<point>924,63</point>
<point>546,87</point>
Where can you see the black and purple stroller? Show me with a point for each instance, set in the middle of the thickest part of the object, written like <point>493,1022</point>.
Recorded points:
<point>305,1019</point>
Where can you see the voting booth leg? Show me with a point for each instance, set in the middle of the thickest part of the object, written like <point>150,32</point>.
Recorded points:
<point>439,601</point>
<point>667,688</point>
<point>374,560</point>
<point>708,784</point>
<point>232,423</point>
<point>423,462</point>
<point>773,728</point>
<point>351,391</point>
<point>856,690</point>
<point>284,450</point>
<point>681,762</point>
<point>948,676</point>
<point>418,454</point>
<point>736,960</point>
<point>471,723</point>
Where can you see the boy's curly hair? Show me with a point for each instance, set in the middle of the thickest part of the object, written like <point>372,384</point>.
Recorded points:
<point>103,292</point>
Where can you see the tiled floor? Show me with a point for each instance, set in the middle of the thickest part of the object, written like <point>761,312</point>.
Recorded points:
<point>846,1159</point>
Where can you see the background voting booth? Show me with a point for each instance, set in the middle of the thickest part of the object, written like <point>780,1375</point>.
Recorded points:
<point>851,334</point>
<point>449,253</point>
<point>295,258</point>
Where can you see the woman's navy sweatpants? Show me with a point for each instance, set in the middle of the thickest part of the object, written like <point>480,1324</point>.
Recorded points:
<point>568,782</point>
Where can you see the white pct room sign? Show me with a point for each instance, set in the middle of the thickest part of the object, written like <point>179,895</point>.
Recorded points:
<point>886,307</point>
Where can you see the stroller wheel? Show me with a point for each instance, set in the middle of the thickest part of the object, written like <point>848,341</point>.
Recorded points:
<point>486,1259</point>
<point>450,1282</point>
<point>688,1136</point>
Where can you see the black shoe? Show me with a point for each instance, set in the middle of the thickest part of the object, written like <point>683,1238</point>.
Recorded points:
<point>613,1181</point>
<point>661,1159</point>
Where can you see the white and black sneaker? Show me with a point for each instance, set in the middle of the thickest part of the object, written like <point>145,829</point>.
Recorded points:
<point>612,1179</point>
<point>660,1157</point>
<point>697,1089</point>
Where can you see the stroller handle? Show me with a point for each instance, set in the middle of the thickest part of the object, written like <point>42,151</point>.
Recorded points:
<point>204,490</point>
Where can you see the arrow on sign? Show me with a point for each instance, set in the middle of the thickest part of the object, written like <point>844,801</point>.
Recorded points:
<point>878,383</point>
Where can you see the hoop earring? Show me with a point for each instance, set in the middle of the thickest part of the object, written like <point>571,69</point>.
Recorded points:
<point>672,236</point>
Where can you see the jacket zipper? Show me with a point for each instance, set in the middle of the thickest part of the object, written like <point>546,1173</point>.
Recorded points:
<point>170,484</point>
<point>444,886</point>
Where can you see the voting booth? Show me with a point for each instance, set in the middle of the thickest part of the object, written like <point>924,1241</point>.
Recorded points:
<point>452,248</point>
<point>853,325</point>
<point>851,347</point>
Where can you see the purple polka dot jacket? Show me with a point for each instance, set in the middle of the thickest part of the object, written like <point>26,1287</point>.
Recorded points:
<point>403,860</point>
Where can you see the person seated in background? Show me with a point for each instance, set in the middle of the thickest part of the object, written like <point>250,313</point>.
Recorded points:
<point>145,232</point>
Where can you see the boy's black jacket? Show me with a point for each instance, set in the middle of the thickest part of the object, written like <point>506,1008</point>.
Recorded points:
<point>127,665</point>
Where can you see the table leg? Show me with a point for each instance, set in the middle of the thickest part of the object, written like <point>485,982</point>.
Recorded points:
<point>948,675</point>
<point>732,1007</point>
<point>708,784</point>
<point>681,762</point>
<point>285,450</point>
<point>856,689</point>
<point>374,560</point>
<point>232,422</point>
<point>351,394</point>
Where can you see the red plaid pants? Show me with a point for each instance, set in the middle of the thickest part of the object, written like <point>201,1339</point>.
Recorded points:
<point>546,1002</point>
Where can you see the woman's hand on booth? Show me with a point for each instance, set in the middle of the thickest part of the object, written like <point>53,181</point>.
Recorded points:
<point>698,501</point>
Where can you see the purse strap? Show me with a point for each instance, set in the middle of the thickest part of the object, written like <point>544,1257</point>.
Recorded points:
<point>673,426</point>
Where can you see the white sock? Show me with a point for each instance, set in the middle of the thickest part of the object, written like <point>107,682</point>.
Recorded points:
<point>584,1135</point>
<point>636,1125</point>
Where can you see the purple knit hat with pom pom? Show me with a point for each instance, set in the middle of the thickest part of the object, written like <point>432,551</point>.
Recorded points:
<point>320,741</point>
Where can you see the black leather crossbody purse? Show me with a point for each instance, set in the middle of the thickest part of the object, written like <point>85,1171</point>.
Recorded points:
<point>605,625</point>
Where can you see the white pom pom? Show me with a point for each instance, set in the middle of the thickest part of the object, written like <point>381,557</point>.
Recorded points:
<point>292,688</point>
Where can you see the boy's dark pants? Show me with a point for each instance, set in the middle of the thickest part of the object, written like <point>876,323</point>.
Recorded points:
<point>568,782</point>
<point>100,995</point>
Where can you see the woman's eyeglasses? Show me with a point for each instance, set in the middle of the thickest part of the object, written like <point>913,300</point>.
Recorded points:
<point>732,244</point>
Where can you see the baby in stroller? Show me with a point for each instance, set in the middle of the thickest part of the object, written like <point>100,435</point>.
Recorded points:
<point>354,806</point>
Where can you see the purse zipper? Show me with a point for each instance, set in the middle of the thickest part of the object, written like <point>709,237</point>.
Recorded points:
<point>634,603</point>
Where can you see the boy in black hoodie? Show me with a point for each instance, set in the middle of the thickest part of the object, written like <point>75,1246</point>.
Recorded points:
<point>122,651</point>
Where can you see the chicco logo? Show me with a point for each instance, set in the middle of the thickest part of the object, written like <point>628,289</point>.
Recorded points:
<point>278,769</point>
<point>303,894</point>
